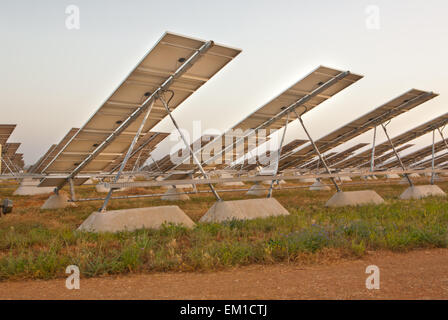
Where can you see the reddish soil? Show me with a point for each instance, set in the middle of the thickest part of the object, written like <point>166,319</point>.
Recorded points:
<point>420,274</point>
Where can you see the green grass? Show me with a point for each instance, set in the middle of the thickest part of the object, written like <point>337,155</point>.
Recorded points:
<point>40,244</point>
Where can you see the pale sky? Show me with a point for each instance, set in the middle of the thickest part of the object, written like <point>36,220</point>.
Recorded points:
<point>53,78</point>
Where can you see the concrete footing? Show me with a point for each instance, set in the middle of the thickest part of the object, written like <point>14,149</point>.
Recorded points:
<point>414,175</point>
<point>319,186</point>
<point>354,198</point>
<point>268,182</point>
<point>307,180</point>
<point>244,210</point>
<point>29,187</point>
<point>175,194</point>
<point>133,219</point>
<point>345,178</point>
<point>419,192</point>
<point>58,201</point>
<point>229,184</point>
<point>392,176</point>
<point>257,190</point>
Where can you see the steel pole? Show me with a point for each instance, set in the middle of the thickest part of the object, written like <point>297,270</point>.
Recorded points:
<point>397,155</point>
<point>372,161</point>
<point>195,159</point>
<point>279,152</point>
<point>128,155</point>
<point>128,121</point>
<point>433,155</point>
<point>338,189</point>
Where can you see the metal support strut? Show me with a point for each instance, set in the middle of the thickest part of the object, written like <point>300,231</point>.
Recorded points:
<point>433,155</point>
<point>338,189</point>
<point>195,159</point>
<point>279,153</point>
<point>372,160</point>
<point>397,155</point>
<point>128,155</point>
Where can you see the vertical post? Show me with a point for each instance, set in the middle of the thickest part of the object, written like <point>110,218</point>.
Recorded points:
<point>279,153</point>
<point>198,163</point>
<point>128,154</point>
<point>372,160</point>
<point>433,155</point>
<point>72,189</point>
<point>397,155</point>
<point>443,138</point>
<point>338,189</point>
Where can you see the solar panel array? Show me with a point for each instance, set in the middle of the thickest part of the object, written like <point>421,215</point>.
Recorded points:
<point>108,134</point>
<point>398,140</point>
<point>382,114</point>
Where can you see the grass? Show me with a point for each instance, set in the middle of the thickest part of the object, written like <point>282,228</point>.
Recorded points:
<point>40,244</point>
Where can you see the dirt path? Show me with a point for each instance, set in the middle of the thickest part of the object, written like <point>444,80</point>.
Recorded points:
<point>421,274</point>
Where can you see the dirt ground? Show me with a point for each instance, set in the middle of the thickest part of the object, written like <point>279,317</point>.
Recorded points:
<point>420,274</point>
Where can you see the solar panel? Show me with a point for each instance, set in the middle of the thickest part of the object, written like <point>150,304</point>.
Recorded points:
<point>336,157</point>
<point>307,93</point>
<point>113,126</point>
<point>165,164</point>
<point>416,156</point>
<point>263,159</point>
<point>363,159</point>
<point>141,152</point>
<point>51,154</point>
<point>38,163</point>
<point>384,113</point>
<point>437,160</point>
<point>298,91</point>
<point>400,139</point>
<point>5,132</point>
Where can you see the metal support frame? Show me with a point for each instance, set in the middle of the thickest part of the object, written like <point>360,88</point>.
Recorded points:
<point>131,118</point>
<point>338,189</point>
<point>443,138</point>
<point>279,153</point>
<point>136,151</point>
<point>292,107</point>
<point>374,121</point>
<point>372,160</point>
<point>433,155</point>
<point>72,190</point>
<point>397,155</point>
<point>127,156</point>
<point>193,154</point>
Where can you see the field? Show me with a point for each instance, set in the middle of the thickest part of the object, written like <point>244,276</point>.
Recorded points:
<point>39,244</point>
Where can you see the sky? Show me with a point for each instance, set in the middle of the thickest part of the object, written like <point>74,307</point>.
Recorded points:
<point>54,78</point>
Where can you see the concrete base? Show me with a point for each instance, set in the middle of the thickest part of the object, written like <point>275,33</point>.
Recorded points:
<point>419,192</point>
<point>28,187</point>
<point>174,194</point>
<point>133,219</point>
<point>392,176</point>
<point>180,186</point>
<point>414,175</point>
<point>244,210</point>
<point>319,186</point>
<point>229,184</point>
<point>307,180</point>
<point>345,178</point>
<point>257,190</point>
<point>354,198</point>
<point>268,182</point>
<point>58,201</point>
